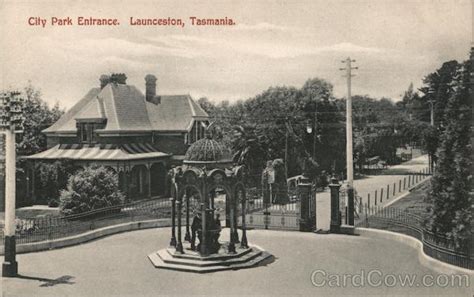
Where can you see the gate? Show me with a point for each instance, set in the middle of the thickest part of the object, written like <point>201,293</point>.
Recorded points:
<point>298,214</point>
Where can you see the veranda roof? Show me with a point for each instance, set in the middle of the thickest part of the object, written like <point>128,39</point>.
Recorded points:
<point>100,152</point>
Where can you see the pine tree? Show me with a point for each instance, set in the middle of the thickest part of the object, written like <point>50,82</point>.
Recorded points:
<point>452,187</point>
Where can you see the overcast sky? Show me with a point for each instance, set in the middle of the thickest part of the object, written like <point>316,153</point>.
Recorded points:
<point>274,43</point>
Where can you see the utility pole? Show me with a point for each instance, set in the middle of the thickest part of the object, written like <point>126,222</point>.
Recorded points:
<point>314,134</point>
<point>11,122</point>
<point>286,147</point>
<point>432,112</point>
<point>349,151</point>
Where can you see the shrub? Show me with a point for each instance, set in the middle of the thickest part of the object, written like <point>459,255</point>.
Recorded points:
<point>52,177</point>
<point>53,203</point>
<point>93,188</point>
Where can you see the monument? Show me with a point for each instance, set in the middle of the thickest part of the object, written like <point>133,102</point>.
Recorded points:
<point>206,171</point>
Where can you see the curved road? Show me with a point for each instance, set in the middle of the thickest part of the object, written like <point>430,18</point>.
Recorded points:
<point>118,265</point>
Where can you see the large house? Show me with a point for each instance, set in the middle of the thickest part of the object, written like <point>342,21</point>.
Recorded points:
<point>140,136</point>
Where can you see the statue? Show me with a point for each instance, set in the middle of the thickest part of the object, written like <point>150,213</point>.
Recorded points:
<point>280,187</point>
<point>215,231</point>
<point>268,178</point>
<point>196,229</point>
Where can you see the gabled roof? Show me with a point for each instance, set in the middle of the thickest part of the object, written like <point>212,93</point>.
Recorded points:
<point>126,110</point>
<point>174,113</point>
<point>67,122</point>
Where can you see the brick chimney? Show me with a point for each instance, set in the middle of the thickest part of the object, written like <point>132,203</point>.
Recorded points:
<point>150,89</point>
<point>104,80</point>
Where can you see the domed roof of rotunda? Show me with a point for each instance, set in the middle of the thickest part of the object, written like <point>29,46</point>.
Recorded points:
<point>207,150</point>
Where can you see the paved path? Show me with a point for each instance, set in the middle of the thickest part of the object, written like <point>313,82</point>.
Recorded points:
<point>118,266</point>
<point>371,183</point>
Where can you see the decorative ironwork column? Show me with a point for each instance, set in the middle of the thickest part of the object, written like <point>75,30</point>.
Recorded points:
<point>179,245</point>
<point>148,167</point>
<point>173,214</point>
<point>231,249</point>
<point>203,239</point>
<point>187,236</point>
<point>243,242</point>
<point>234,214</point>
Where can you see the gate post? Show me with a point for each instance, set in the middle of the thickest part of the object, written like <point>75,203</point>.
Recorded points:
<point>304,194</point>
<point>350,205</point>
<point>335,226</point>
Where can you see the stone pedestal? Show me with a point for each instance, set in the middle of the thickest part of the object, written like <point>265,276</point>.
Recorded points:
<point>192,261</point>
<point>10,265</point>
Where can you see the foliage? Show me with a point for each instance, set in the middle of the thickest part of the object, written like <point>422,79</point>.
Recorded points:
<point>38,116</point>
<point>248,152</point>
<point>94,187</point>
<point>51,178</point>
<point>452,183</point>
<point>257,129</point>
<point>53,203</point>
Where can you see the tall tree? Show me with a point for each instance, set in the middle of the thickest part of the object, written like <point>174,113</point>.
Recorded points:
<point>452,188</point>
<point>38,116</point>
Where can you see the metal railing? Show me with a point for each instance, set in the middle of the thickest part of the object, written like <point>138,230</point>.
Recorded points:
<point>49,228</point>
<point>402,221</point>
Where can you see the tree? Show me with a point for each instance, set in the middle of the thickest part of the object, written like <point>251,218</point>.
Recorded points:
<point>206,105</point>
<point>247,151</point>
<point>38,116</point>
<point>437,88</point>
<point>94,187</point>
<point>52,178</point>
<point>452,182</point>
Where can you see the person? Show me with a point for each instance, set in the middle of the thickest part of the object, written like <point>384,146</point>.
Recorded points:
<point>196,228</point>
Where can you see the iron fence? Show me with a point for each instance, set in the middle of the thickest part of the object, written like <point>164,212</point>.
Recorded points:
<point>30,230</point>
<point>397,220</point>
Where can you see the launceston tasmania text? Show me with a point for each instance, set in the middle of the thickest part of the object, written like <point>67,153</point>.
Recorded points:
<point>194,21</point>
<point>132,21</point>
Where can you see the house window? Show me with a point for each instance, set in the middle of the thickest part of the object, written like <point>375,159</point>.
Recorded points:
<point>83,132</point>
<point>87,132</point>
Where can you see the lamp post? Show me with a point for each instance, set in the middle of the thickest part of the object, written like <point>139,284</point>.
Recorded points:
<point>11,122</point>
<point>313,129</point>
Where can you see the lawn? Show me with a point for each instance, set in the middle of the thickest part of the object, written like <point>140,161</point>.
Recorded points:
<point>416,201</point>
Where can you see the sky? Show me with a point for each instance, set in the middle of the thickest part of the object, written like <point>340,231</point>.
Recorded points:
<point>273,43</point>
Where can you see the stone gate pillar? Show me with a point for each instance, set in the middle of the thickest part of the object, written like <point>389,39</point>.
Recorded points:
<point>304,195</point>
<point>335,215</point>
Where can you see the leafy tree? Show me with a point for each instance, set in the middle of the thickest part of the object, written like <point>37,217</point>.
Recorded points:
<point>38,116</point>
<point>437,88</point>
<point>452,182</point>
<point>247,151</point>
<point>430,143</point>
<point>94,187</point>
<point>51,179</point>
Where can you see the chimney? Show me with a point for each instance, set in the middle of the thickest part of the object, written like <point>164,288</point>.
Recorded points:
<point>104,80</point>
<point>150,89</point>
<point>118,78</point>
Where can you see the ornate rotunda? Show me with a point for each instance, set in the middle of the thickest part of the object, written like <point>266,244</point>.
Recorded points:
<point>207,173</point>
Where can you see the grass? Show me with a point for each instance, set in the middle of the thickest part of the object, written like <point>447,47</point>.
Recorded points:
<point>416,201</point>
